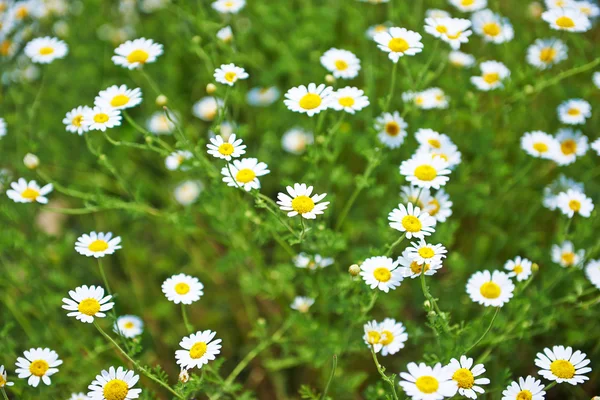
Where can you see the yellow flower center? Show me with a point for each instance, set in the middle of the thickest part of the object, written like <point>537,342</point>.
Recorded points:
<point>341,65</point>
<point>119,100</point>
<point>491,77</point>
<point>2,380</point>
<point>467,2</point>
<point>101,118</point>
<point>182,288</point>
<point>98,245</point>
<point>518,269</point>
<point>562,369</point>
<point>21,13</point>
<point>89,307</point>
<point>198,350</point>
<point>540,147</point>
<point>419,100</point>
<point>382,274</point>
<point>398,45</point>
<point>373,337</point>
<point>115,389</point>
<point>245,175</point>
<point>427,384</point>
<point>425,173</point>
<point>44,51</point>
<point>346,101</point>
<point>303,204</point>
<point>388,337</point>
<point>490,290</point>
<point>524,395</point>
<point>392,128</point>
<point>434,143</point>
<point>380,28</point>
<point>573,111</point>
<point>5,45</point>
<point>492,29</point>
<point>464,378</point>
<point>435,207</point>
<point>128,325</point>
<point>39,367</point>
<point>568,258</point>
<point>30,194</point>
<point>310,101</point>
<point>547,54</point>
<point>76,121</point>
<point>411,223</point>
<point>451,36</point>
<point>568,147</point>
<point>230,76</point>
<point>426,252</point>
<point>418,268</point>
<point>575,205</point>
<point>441,29</point>
<point>226,149</point>
<point>565,22</point>
<point>137,56</point>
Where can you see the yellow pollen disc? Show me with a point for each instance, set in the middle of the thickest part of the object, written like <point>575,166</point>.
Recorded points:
<point>119,100</point>
<point>490,290</point>
<point>182,288</point>
<point>518,269</point>
<point>198,350</point>
<point>229,4</point>
<point>137,56</point>
<point>373,337</point>
<point>573,111</point>
<point>89,307</point>
<point>39,367</point>
<point>434,143</point>
<point>426,252</point>
<point>435,207</point>
<point>101,118</point>
<point>382,274</point>
<point>563,369</point>
<point>5,45</point>
<point>98,245</point>
<point>226,149</point>
<point>76,121</point>
<point>346,101</point>
<point>574,205</point>
<point>411,223</point>
<point>245,175</point>
<point>418,268</point>
<point>44,51</point>
<point>427,384</point>
<point>341,65</point>
<point>30,194</point>
<point>128,325</point>
<point>425,173</point>
<point>524,395</point>
<point>568,258</point>
<point>540,147</point>
<point>565,22</point>
<point>586,10</point>
<point>547,54</point>
<point>568,147</point>
<point>303,204</point>
<point>491,78</point>
<point>398,45</point>
<point>492,29</point>
<point>380,28</point>
<point>454,36</point>
<point>419,100</point>
<point>392,128</point>
<point>310,101</point>
<point>22,12</point>
<point>2,380</point>
<point>388,337</point>
<point>467,2</point>
<point>230,76</point>
<point>441,29</point>
<point>115,389</point>
<point>464,378</point>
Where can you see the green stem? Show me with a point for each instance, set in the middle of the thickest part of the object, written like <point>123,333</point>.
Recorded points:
<point>4,394</point>
<point>549,386</point>
<point>153,84</point>
<point>103,275</point>
<point>381,371</point>
<point>484,333</point>
<point>303,229</point>
<point>149,136</point>
<point>425,69</point>
<point>393,245</point>
<point>431,300</point>
<point>392,87</point>
<point>186,321</point>
<point>324,395</point>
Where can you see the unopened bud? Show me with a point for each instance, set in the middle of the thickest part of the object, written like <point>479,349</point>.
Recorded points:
<point>528,89</point>
<point>211,88</point>
<point>596,398</point>
<point>320,139</point>
<point>161,100</point>
<point>535,268</point>
<point>196,39</point>
<point>354,270</point>
<point>31,161</point>
<point>329,79</point>
<point>431,314</point>
<point>535,9</point>
<point>184,376</point>
<point>427,304</point>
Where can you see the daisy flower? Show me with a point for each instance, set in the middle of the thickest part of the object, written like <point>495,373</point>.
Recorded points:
<point>559,185</point>
<point>299,201</point>
<point>592,271</point>
<point>381,273</point>
<point>428,99</point>
<point>413,194</point>
<point>559,3</point>
<point>87,303</point>
<point>423,252</point>
<point>460,59</point>
<point>567,19</point>
<point>423,382</point>
<point>398,42</point>
<point>317,261</point>
<point>596,146</point>
<point>454,31</point>
<point>590,9</point>
<point>492,27</point>
<point>372,335</point>
<point>159,124</point>
<point>182,288</point>
<point>2,127</point>
<point>341,63</point>
<point>492,75</point>
<point>544,53</point>
<point>295,140</point>
<point>97,244</point>
<point>244,173</point>
<point>571,144</point>
<point>176,158</point>
<point>431,139</point>
<point>425,171</point>
<point>114,384</point>
<point>101,118</point>
<point>74,120</point>
<point>447,152</point>
<point>526,389</point>
<point>3,378</point>
<point>228,6</point>
<point>28,192</point>
<point>411,268</point>
<point>226,149</point>
<point>349,99</point>
<point>574,202</point>
<point>375,29</point>
<point>79,396</point>
<point>440,206</point>
<point>539,144</point>
<point>225,34</point>
<point>228,74</point>
<point>412,220</point>
<point>437,13</point>
<point>490,289</point>
<point>37,364</point>
<point>135,53</point>
<point>561,364</point>
<point>302,304</point>
<point>310,100</point>
<point>129,326</point>
<point>198,349</point>
<point>519,267</point>
<point>469,5</point>
<point>45,50</point>
<point>387,337</point>
<point>565,254</point>
<point>574,111</point>
<point>464,375</point>
<point>118,97</point>
<point>391,129</point>
<point>262,96</point>
<point>207,108</point>
<point>187,192</point>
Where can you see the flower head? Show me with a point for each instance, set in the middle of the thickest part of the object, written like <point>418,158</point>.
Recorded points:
<point>567,19</point>
<point>3,378</point>
<point>28,192</point>
<point>539,144</point>
<point>182,288</point>
<point>207,108</point>
<point>296,140</point>
<point>45,50</point>
<point>198,349</point>
<point>37,365</point>
<point>423,382</point>
<point>118,97</point>
<point>492,75</point>
<point>74,120</point>
<point>574,111</point>
<point>387,337</point>
<point>592,272</point>
<point>300,202</point>
<point>87,303</point>
<point>226,149</point>
<point>544,53</point>
<point>302,304</point>
<point>426,171</point>
<point>228,6</point>
<point>311,99</point>
<point>562,364</point>
<point>381,273</point>
<point>469,5</point>
<point>244,173</point>
<point>114,385</point>
<point>412,220</point>
<point>129,326</point>
<point>349,99</point>
<point>262,96</point>
<point>572,144</point>
<point>566,256</point>
<point>228,74</point>
<point>101,118</point>
<point>136,53</point>
<point>526,389</point>
<point>519,268</point>
<point>574,202</point>
<point>341,63</point>
<point>399,42</point>
<point>391,129</point>
<point>490,289</point>
<point>97,244</point>
<point>176,158</point>
<point>317,261</point>
<point>492,27</point>
<point>465,377</point>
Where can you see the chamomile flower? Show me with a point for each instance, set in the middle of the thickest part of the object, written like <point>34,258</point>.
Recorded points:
<point>454,31</point>
<point>559,185</point>
<point>244,173</point>
<point>592,271</point>
<point>228,6</point>
<point>3,378</point>
<point>262,96</point>
<point>425,253</point>
<point>182,288</point>
<point>465,377</point>
<point>300,202</point>
<point>425,171</point>
<point>574,202</point>
<point>349,99</point>
<point>411,268</point>
<point>431,139</point>
<point>539,144</point>
<point>296,140</point>
<point>519,268</point>
<point>492,75</point>
<point>159,124</point>
<point>381,273</point>
<point>341,63</point>
<point>118,97</point>
<point>37,365</point>
<point>129,326</point>
<point>74,120</point>
<point>574,111</point>
<point>101,118</point>
<point>375,29</point>
<point>437,13</point>
<point>187,192</point>
<point>412,220</point>
<point>492,27</point>
<point>526,389</point>
<point>562,364</point>
<point>399,42</point>
<point>544,53</point>
<point>176,158</point>
<point>469,5</point>
<point>228,74</point>
<point>207,108</point>
<point>490,289</point>
<point>567,19</point>
<point>87,303</point>
<point>392,336</point>
<point>310,100</point>
<point>571,145</point>
<point>372,335</point>
<point>596,145</point>
<point>423,382</point>
<point>302,304</point>
<point>45,50</point>
<point>114,384</point>
<point>559,3</point>
<point>28,192</point>
<point>2,128</point>
<point>391,129</point>
<point>79,396</point>
<point>198,349</point>
<point>225,34</point>
<point>460,59</point>
<point>589,8</point>
<point>440,206</point>
<point>136,53</point>
<point>566,256</point>
<point>413,194</point>
<point>317,261</point>
<point>226,149</point>
<point>97,244</point>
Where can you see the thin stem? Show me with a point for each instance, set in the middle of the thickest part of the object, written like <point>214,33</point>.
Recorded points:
<point>550,386</point>
<point>153,84</point>
<point>392,87</point>
<point>431,299</point>
<point>381,371</point>
<point>484,333</point>
<point>4,393</point>
<point>324,395</point>
<point>106,285</point>
<point>146,134</point>
<point>393,245</point>
<point>303,229</point>
<point>186,321</point>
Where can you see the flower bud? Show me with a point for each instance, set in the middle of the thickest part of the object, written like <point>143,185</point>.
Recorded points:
<point>329,79</point>
<point>354,270</point>
<point>427,304</point>
<point>211,88</point>
<point>184,376</point>
<point>31,161</point>
<point>535,268</point>
<point>535,9</point>
<point>161,100</point>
